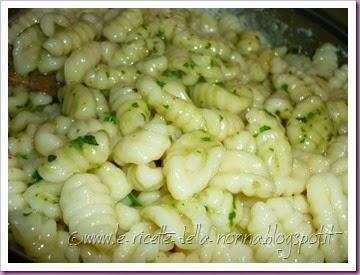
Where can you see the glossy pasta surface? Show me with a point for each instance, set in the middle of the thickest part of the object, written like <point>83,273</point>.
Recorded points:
<point>175,123</point>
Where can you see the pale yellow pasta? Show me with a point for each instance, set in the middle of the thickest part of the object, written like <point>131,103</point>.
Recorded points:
<point>27,49</point>
<point>71,38</point>
<point>104,77</point>
<point>214,96</point>
<point>144,145</point>
<point>84,198</point>
<point>183,114</point>
<point>175,136</point>
<point>118,28</point>
<point>310,127</point>
<point>328,204</point>
<point>81,61</point>
<point>130,109</point>
<point>190,163</point>
<point>77,156</point>
<point>115,179</point>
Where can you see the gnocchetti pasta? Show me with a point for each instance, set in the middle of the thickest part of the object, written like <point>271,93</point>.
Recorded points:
<point>176,136</point>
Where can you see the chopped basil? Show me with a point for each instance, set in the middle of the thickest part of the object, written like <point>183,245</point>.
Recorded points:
<point>220,83</point>
<point>79,142</point>
<point>270,114</point>
<point>212,63</point>
<point>161,35</point>
<point>189,65</point>
<point>133,199</point>
<point>144,117</point>
<point>166,106</point>
<point>208,45</point>
<point>24,156</point>
<point>206,208</point>
<point>232,216</point>
<point>206,138</point>
<point>51,158</point>
<point>221,117</point>
<point>135,105</point>
<point>107,74</point>
<point>160,83</point>
<point>110,118</point>
<point>169,73</point>
<point>285,87</point>
<point>306,118</point>
<point>35,176</point>
<point>262,129</point>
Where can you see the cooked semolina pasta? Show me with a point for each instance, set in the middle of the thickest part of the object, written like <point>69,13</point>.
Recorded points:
<point>174,136</point>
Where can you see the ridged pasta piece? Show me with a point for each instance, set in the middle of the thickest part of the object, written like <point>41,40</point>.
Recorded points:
<point>81,61</point>
<point>183,219</point>
<point>145,177</point>
<point>87,206</point>
<point>131,110</point>
<point>153,66</point>
<point>325,60</point>
<point>49,21</point>
<point>73,37</point>
<point>77,156</point>
<point>190,164</point>
<point>24,22</point>
<point>22,144</point>
<point>279,103</point>
<point>115,179</point>
<point>118,28</point>
<point>280,217</point>
<point>226,248</point>
<point>213,96</point>
<point>81,102</point>
<point>127,216</point>
<point>292,85</point>
<point>221,124</point>
<point>249,43</point>
<point>49,63</point>
<point>338,112</point>
<point>27,49</point>
<point>144,145</point>
<point>328,206</point>
<point>44,198</point>
<point>182,114</point>
<point>133,249</point>
<point>104,77</point>
<point>242,141</point>
<point>45,242</point>
<point>47,140</point>
<point>246,183</point>
<point>223,209</point>
<point>272,144</point>
<point>130,53</point>
<point>17,184</point>
<point>310,127</point>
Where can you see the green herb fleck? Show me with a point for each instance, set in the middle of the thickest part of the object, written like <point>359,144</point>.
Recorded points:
<point>206,208</point>
<point>79,142</point>
<point>270,114</point>
<point>285,87</point>
<point>212,63</point>
<point>24,156</point>
<point>232,216</point>
<point>171,139</point>
<point>35,176</point>
<point>189,65</point>
<point>221,117</point>
<point>51,158</point>
<point>107,74</point>
<point>169,73</point>
<point>160,83</point>
<point>306,118</point>
<point>208,45</point>
<point>166,106</point>
<point>161,35</point>
<point>144,117</point>
<point>220,83</point>
<point>262,129</point>
<point>271,149</point>
<point>133,199</point>
<point>135,105</point>
<point>206,139</point>
<point>110,118</point>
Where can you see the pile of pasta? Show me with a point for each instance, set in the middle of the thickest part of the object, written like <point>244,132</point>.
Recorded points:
<point>179,122</point>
